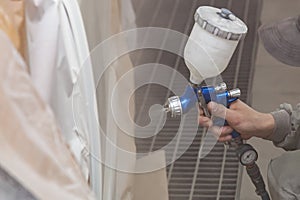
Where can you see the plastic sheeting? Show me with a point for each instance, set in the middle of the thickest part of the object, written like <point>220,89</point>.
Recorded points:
<point>62,73</point>
<point>11,189</point>
<point>12,22</point>
<point>31,147</point>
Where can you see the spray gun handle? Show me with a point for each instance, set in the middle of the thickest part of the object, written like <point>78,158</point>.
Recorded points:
<point>219,95</point>
<point>234,133</point>
<point>217,121</point>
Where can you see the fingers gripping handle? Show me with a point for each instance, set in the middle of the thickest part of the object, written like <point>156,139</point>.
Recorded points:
<point>235,134</point>
<point>217,121</point>
<point>220,95</point>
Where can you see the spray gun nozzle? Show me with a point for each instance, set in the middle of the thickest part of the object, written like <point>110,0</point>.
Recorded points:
<point>166,108</point>
<point>173,105</point>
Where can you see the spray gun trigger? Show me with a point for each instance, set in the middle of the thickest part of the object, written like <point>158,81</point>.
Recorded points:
<point>202,104</point>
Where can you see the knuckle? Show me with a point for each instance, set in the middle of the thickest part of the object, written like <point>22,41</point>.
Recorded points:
<point>235,122</point>
<point>215,108</point>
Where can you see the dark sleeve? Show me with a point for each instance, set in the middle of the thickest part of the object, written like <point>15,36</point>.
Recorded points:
<point>286,132</point>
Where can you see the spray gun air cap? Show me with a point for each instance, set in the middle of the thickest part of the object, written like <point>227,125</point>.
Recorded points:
<point>173,105</point>
<point>212,42</point>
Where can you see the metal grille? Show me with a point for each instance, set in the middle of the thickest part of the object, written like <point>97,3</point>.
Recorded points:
<point>217,175</point>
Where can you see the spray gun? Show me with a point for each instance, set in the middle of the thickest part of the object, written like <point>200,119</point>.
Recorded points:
<point>211,44</point>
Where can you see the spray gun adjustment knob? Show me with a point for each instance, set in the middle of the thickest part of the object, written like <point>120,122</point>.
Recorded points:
<point>221,87</point>
<point>235,93</point>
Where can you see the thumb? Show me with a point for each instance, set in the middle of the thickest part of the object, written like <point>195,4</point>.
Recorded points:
<point>218,110</point>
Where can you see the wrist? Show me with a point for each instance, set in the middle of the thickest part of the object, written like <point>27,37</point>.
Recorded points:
<point>267,125</point>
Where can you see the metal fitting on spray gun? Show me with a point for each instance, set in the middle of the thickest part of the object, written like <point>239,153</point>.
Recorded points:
<point>178,106</point>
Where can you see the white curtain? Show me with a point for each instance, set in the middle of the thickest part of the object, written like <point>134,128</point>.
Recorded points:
<point>62,73</point>
<point>102,20</point>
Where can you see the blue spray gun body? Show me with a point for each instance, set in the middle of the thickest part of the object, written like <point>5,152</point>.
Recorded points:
<point>203,95</point>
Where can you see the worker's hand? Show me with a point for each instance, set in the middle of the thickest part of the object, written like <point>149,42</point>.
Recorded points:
<point>241,118</point>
